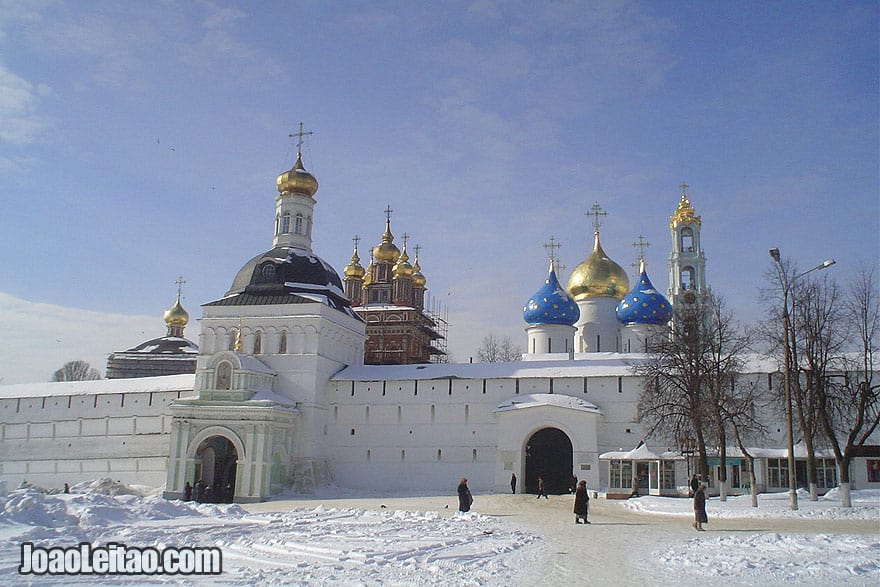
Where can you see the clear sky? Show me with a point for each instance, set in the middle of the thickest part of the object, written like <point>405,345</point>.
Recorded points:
<point>140,141</point>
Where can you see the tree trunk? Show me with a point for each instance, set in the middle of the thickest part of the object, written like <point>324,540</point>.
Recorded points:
<point>843,472</point>
<point>722,470</point>
<point>753,482</point>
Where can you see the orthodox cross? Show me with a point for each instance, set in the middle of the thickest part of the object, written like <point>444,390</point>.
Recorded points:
<point>180,281</point>
<point>641,245</point>
<point>356,240</point>
<point>684,188</point>
<point>388,212</point>
<point>595,213</point>
<point>299,138</point>
<point>552,246</point>
<point>417,248</point>
<point>405,238</point>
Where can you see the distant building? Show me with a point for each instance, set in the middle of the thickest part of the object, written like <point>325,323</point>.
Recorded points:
<point>171,354</point>
<point>389,295</point>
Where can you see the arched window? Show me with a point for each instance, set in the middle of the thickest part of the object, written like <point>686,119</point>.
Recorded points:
<point>258,342</point>
<point>232,336</point>
<point>285,223</point>
<point>277,224</point>
<point>282,344</point>
<point>224,376</point>
<point>687,278</point>
<point>687,239</point>
<point>298,223</point>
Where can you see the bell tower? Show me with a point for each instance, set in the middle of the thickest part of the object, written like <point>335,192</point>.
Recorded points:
<point>687,264</point>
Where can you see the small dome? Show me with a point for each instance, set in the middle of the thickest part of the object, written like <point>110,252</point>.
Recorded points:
<point>386,251</point>
<point>354,270</point>
<point>297,180</point>
<point>644,304</point>
<point>551,304</point>
<point>684,213</point>
<point>368,278</point>
<point>176,315</point>
<point>418,279</point>
<point>597,276</point>
<point>402,268</point>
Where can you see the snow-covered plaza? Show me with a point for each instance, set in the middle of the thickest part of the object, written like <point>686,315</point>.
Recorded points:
<point>340,538</point>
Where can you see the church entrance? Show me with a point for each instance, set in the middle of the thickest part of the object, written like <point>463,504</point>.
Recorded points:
<point>216,463</point>
<point>549,455</point>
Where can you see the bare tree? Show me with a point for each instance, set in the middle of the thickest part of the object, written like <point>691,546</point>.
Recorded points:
<point>493,350</point>
<point>849,400</point>
<point>691,384</point>
<point>76,371</point>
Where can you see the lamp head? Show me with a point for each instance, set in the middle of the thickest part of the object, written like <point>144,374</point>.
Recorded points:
<point>828,263</point>
<point>774,252</point>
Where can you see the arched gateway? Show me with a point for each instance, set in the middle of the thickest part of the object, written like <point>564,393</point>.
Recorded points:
<point>549,454</point>
<point>216,464</point>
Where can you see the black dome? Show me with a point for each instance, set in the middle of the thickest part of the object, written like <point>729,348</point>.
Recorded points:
<point>286,271</point>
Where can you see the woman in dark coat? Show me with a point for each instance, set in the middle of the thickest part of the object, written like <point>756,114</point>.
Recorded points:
<point>700,516</point>
<point>465,499</point>
<point>581,502</point>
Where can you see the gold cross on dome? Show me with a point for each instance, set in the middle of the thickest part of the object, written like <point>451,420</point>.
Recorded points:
<point>596,212</point>
<point>417,248</point>
<point>551,247</point>
<point>180,281</point>
<point>405,238</point>
<point>684,188</point>
<point>299,136</point>
<point>641,245</point>
<point>388,212</point>
<point>356,240</point>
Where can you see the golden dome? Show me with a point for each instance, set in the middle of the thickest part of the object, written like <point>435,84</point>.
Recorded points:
<point>297,180</point>
<point>684,214</point>
<point>597,276</point>
<point>354,270</point>
<point>402,268</point>
<point>418,279</point>
<point>368,278</point>
<point>176,315</point>
<point>386,251</point>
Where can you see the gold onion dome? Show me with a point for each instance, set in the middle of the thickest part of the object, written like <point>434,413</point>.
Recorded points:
<point>176,315</point>
<point>297,180</point>
<point>368,278</point>
<point>386,251</point>
<point>402,268</point>
<point>597,276</point>
<point>354,269</point>
<point>418,279</point>
<point>684,213</point>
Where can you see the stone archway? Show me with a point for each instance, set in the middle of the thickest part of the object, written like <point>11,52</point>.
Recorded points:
<point>548,453</point>
<point>216,465</point>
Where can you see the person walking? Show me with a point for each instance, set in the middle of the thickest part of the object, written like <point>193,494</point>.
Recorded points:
<point>465,499</point>
<point>581,502</point>
<point>541,488</point>
<point>513,482</point>
<point>695,484</point>
<point>187,492</point>
<point>700,516</point>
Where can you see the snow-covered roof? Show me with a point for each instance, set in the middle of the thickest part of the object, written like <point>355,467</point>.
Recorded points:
<point>534,400</point>
<point>592,365</point>
<point>183,382</point>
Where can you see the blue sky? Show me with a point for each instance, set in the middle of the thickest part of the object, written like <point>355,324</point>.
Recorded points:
<point>140,141</point>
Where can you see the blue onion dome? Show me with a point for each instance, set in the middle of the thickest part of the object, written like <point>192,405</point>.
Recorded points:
<point>551,304</point>
<point>644,304</point>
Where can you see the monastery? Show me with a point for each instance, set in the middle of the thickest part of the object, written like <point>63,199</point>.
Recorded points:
<point>301,379</point>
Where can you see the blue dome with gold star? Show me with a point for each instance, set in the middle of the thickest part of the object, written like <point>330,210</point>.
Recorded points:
<point>551,304</point>
<point>644,304</point>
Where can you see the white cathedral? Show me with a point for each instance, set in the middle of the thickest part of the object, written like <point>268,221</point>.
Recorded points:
<point>281,398</point>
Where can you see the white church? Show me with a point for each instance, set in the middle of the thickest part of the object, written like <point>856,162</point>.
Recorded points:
<point>281,398</point>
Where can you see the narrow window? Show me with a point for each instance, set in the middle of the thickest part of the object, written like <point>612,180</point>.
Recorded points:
<point>549,344</point>
<point>517,386</point>
<point>367,414</point>
<point>474,455</point>
<point>598,343</point>
<point>433,414</point>
<point>277,224</point>
<point>551,385</point>
<point>467,412</point>
<point>439,454</point>
<point>224,376</point>
<point>368,454</point>
<point>687,239</point>
<point>402,455</point>
<point>335,414</point>
<point>585,385</point>
<point>285,223</point>
<point>620,385</point>
<point>298,223</point>
<point>399,414</point>
<point>282,344</point>
<point>258,342</point>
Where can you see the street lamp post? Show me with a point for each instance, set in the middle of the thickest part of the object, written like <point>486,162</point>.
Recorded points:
<point>687,447</point>
<point>786,350</point>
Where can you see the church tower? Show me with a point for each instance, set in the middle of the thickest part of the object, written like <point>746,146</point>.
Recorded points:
<point>550,315</point>
<point>267,351</point>
<point>597,284</point>
<point>687,264</point>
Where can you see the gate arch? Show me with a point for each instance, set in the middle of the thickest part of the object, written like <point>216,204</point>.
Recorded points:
<point>549,453</point>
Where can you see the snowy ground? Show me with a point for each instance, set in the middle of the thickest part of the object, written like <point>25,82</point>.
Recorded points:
<point>346,538</point>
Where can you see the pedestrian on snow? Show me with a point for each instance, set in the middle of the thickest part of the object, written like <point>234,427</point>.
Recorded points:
<point>188,492</point>
<point>695,484</point>
<point>581,502</point>
<point>465,499</point>
<point>66,488</point>
<point>572,486</point>
<point>700,516</point>
<point>200,491</point>
<point>541,488</point>
<point>513,482</point>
